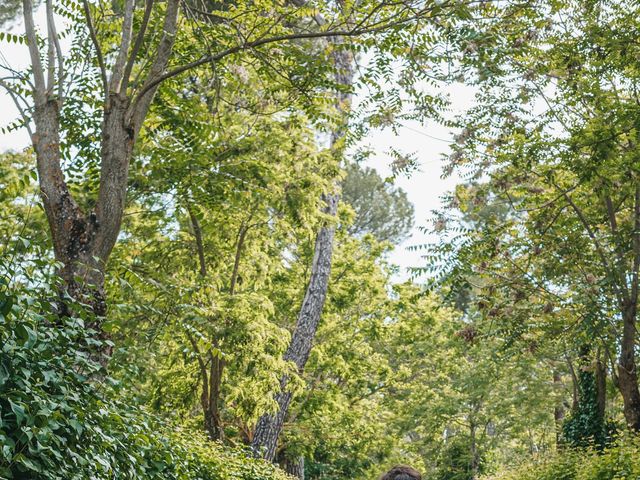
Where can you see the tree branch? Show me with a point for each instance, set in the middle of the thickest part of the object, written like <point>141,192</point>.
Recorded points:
<point>621,290</point>
<point>140,105</point>
<point>123,52</point>
<point>265,41</point>
<point>53,40</point>
<point>36,65</point>
<point>96,45</point>
<point>197,233</point>
<point>51,64</point>
<point>137,45</point>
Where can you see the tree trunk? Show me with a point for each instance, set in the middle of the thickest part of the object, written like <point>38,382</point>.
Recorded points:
<point>295,467</point>
<point>269,426</point>
<point>210,400</point>
<point>627,372</point>
<point>82,242</point>
<point>601,387</point>
<point>558,411</point>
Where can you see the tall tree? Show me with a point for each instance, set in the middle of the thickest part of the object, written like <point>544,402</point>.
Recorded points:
<point>269,426</point>
<point>380,208</point>
<point>555,131</point>
<point>84,236</point>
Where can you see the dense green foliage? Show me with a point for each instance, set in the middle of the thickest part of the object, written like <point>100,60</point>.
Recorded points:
<point>513,356</point>
<point>56,424</point>
<point>620,461</point>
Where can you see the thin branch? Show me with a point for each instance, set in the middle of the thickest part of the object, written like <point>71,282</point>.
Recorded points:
<point>137,45</point>
<point>15,96</point>
<point>34,53</point>
<point>51,54</point>
<point>236,262</point>
<point>140,105</point>
<point>123,53</point>
<point>601,253</point>
<point>201,364</point>
<point>53,37</point>
<point>96,45</point>
<point>197,233</point>
<point>265,41</point>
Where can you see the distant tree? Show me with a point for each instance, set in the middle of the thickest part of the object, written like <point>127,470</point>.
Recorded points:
<point>382,209</point>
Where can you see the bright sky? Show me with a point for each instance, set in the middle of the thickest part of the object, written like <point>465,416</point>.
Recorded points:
<point>424,187</point>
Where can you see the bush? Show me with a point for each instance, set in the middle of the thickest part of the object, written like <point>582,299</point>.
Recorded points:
<point>619,461</point>
<point>57,421</point>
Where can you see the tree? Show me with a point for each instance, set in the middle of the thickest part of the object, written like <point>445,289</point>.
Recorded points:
<point>84,236</point>
<point>380,209</point>
<point>269,426</point>
<point>554,132</point>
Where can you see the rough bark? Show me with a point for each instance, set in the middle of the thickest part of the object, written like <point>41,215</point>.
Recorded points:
<point>83,241</point>
<point>294,467</point>
<point>627,370</point>
<point>270,426</point>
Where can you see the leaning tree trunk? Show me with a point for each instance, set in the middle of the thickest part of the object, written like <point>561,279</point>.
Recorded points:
<point>270,425</point>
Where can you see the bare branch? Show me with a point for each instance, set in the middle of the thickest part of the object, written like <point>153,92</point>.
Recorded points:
<point>96,45</point>
<point>53,40</point>
<point>36,65</point>
<point>137,45</point>
<point>197,233</point>
<point>127,32</point>
<point>51,64</point>
<point>141,104</point>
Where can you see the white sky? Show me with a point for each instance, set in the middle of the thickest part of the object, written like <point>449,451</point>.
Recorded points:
<point>428,141</point>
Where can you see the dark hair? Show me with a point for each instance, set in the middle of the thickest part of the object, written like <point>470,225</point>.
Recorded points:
<point>402,472</point>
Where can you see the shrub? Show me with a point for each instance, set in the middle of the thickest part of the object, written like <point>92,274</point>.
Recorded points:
<point>619,461</point>
<point>57,421</point>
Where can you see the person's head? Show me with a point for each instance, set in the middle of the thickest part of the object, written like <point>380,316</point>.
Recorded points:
<point>402,472</point>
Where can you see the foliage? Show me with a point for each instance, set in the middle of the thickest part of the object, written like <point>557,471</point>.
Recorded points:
<point>539,251</point>
<point>619,461</point>
<point>586,424</point>
<point>57,421</point>
<point>381,209</point>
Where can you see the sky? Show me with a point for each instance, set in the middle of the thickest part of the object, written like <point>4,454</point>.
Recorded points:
<point>427,141</point>
<point>425,187</point>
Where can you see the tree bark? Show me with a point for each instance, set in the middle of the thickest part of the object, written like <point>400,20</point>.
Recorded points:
<point>269,426</point>
<point>627,370</point>
<point>83,241</point>
<point>294,467</point>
